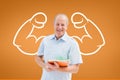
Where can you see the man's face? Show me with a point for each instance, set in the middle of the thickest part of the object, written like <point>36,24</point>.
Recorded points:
<point>60,27</point>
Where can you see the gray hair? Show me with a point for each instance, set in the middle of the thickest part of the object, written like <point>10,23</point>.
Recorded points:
<point>61,15</point>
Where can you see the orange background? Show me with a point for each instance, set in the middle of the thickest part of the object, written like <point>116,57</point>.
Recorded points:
<point>105,13</point>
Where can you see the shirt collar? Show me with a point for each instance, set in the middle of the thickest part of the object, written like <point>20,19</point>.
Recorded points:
<point>64,37</point>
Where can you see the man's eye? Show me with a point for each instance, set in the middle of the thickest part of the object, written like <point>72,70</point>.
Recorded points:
<point>57,24</point>
<point>62,24</point>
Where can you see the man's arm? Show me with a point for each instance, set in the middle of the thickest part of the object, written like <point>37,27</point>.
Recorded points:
<point>40,61</point>
<point>72,68</point>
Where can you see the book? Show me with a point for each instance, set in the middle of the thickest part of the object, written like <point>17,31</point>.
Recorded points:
<point>61,63</point>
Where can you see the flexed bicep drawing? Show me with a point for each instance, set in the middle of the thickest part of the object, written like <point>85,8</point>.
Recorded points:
<point>92,36</point>
<point>25,39</point>
<point>27,42</point>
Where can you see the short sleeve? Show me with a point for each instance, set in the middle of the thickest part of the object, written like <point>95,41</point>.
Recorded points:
<point>41,49</point>
<point>75,54</point>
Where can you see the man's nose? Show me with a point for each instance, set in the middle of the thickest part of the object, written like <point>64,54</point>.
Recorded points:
<point>60,27</point>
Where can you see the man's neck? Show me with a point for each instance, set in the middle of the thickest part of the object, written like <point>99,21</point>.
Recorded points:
<point>58,37</point>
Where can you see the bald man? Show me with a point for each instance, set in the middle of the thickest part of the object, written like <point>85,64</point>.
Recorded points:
<point>59,45</point>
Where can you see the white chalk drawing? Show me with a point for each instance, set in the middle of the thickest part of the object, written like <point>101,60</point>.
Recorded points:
<point>87,34</point>
<point>83,26</point>
<point>30,34</point>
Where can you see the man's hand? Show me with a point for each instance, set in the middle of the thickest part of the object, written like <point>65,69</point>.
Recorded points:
<point>72,68</point>
<point>49,67</point>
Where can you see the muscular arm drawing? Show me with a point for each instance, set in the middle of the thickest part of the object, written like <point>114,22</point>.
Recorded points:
<point>92,41</point>
<point>25,40</point>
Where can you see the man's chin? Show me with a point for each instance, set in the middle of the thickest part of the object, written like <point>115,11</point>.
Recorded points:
<point>59,33</point>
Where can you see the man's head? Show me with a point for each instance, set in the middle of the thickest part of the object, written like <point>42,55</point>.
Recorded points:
<point>60,25</point>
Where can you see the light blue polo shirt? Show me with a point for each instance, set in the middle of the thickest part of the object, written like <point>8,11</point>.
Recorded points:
<point>65,48</point>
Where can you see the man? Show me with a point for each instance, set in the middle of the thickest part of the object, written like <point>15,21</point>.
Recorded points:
<point>55,46</point>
